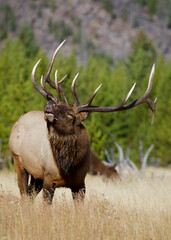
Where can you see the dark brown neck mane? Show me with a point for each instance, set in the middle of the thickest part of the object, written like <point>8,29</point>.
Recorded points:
<point>64,149</point>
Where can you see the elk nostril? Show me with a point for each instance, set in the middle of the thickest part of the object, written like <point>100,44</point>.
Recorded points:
<point>49,107</point>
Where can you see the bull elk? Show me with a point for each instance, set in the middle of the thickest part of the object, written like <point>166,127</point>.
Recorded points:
<point>53,146</point>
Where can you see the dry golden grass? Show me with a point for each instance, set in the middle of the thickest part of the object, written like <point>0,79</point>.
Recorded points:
<point>131,209</point>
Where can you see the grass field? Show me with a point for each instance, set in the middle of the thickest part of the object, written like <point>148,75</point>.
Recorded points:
<point>130,209</point>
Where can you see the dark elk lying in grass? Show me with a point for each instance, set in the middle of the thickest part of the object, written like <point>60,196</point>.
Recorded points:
<point>53,146</point>
<point>97,167</point>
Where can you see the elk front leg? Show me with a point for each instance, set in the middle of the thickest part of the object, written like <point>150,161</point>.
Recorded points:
<point>34,187</point>
<point>48,191</point>
<point>78,193</point>
<point>22,175</point>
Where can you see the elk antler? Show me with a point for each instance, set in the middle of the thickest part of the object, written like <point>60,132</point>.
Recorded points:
<point>122,106</point>
<point>57,85</point>
<point>76,101</point>
<point>87,107</point>
<point>47,75</point>
<point>41,91</point>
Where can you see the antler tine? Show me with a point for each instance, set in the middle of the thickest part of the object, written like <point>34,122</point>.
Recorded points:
<point>41,91</point>
<point>149,87</point>
<point>128,95</point>
<point>57,87</point>
<point>126,98</point>
<point>145,97</point>
<point>61,88</point>
<point>61,81</point>
<point>92,97</point>
<point>76,101</point>
<point>122,106</point>
<point>47,75</point>
<point>50,96</point>
<point>153,110</point>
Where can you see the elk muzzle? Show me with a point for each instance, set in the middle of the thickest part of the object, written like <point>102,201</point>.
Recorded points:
<point>48,112</point>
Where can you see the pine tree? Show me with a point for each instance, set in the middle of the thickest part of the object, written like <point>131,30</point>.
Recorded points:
<point>163,115</point>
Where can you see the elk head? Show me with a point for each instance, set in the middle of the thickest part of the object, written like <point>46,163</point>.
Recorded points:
<point>64,116</point>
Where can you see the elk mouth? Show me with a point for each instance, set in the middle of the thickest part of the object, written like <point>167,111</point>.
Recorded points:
<point>49,116</point>
<point>48,113</point>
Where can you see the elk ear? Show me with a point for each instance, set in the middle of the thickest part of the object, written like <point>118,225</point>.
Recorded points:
<point>81,117</point>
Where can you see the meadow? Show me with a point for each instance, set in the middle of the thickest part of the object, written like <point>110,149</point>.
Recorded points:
<point>133,208</point>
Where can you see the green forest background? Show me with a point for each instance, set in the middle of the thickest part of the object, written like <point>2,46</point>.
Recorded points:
<point>18,95</point>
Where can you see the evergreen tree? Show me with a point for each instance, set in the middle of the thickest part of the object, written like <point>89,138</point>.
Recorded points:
<point>162,125</point>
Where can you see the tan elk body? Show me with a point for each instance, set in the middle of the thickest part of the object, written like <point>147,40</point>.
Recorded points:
<point>32,152</point>
<point>53,146</point>
<point>29,138</point>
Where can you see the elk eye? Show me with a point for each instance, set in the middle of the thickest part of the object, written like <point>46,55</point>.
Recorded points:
<point>70,115</point>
